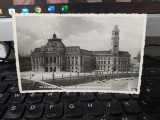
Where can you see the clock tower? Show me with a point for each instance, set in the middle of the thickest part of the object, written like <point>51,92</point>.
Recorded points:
<point>115,40</point>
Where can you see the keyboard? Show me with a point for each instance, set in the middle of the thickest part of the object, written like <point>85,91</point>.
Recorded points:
<point>80,106</point>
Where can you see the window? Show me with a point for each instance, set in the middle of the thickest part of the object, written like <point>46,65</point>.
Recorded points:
<point>116,33</point>
<point>54,59</point>
<point>50,59</point>
<point>46,60</point>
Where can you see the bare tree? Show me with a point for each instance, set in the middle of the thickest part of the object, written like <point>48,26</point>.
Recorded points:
<point>138,56</point>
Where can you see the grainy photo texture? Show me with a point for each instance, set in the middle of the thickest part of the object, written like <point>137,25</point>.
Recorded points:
<point>79,52</point>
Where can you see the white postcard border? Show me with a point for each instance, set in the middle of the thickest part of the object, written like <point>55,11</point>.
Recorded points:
<point>79,15</point>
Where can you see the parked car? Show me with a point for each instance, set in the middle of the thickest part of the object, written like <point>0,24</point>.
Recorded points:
<point>98,81</point>
<point>103,80</point>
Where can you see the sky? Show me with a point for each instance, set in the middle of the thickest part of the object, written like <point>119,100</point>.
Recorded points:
<point>90,33</point>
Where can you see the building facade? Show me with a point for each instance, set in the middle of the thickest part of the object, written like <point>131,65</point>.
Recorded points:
<point>135,64</point>
<point>55,56</point>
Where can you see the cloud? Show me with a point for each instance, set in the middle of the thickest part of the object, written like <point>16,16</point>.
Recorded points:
<point>90,33</point>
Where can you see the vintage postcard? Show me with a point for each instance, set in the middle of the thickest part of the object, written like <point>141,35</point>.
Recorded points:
<point>79,52</point>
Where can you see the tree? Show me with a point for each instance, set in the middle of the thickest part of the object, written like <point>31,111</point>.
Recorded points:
<point>138,56</point>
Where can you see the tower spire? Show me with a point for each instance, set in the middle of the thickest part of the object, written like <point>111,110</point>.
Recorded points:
<point>54,35</point>
<point>54,30</point>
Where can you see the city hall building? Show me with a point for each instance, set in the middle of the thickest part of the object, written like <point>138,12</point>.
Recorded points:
<point>55,56</point>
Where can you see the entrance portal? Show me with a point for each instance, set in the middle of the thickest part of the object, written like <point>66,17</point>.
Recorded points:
<point>50,69</point>
<point>54,69</point>
<point>46,70</point>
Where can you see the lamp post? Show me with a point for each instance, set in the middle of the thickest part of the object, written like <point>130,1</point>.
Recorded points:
<point>53,75</point>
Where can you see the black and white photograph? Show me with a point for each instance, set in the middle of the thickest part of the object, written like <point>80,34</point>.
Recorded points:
<point>79,52</point>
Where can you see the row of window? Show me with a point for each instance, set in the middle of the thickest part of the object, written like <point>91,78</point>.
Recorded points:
<point>102,62</point>
<point>124,62</point>
<point>72,63</point>
<point>72,49</point>
<point>71,58</point>
<point>72,68</point>
<point>108,58</point>
<point>102,58</point>
<point>35,67</point>
<point>101,67</point>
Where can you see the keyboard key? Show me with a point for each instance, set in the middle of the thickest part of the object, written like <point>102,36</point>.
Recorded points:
<point>121,96</point>
<point>113,108</point>
<point>11,77</point>
<point>131,107</point>
<point>54,111</point>
<point>17,98</point>
<point>150,106</point>
<point>13,88</point>
<point>63,119</point>
<point>69,97</point>
<point>147,117</point>
<point>153,93</point>
<point>87,97</point>
<point>136,97</point>
<point>93,109</point>
<point>34,112</point>
<point>2,78</point>
<point>73,110</point>
<point>4,97</point>
<point>14,112</point>
<point>52,97</point>
<point>128,118</point>
<point>2,110</point>
<point>3,87</point>
<point>85,118</point>
<point>106,118</point>
<point>34,98</point>
<point>104,96</point>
